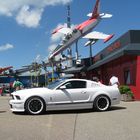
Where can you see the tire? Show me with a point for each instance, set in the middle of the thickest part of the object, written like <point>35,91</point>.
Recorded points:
<point>35,105</point>
<point>102,103</point>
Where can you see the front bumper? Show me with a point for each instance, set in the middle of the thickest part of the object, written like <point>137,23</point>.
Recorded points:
<point>17,105</point>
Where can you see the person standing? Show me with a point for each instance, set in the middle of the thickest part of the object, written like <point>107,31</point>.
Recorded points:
<point>4,90</point>
<point>114,81</point>
<point>17,85</point>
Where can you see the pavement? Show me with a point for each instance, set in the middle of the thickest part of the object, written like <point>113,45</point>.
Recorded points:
<point>121,122</point>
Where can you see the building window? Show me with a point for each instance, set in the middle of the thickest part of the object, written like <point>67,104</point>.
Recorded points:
<point>127,77</point>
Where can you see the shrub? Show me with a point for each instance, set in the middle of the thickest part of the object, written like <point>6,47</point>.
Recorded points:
<point>124,89</point>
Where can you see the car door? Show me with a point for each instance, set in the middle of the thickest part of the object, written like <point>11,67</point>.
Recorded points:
<point>74,91</point>
<point>78,91</point>
<point>69,95</point>
<point>60,96</point>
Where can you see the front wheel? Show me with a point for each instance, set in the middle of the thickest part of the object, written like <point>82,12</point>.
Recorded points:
<point>102,103</point>
<point>35,105</point>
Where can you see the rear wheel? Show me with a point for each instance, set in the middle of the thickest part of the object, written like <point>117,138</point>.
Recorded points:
<point>102,103</point>
<point>35,105</point>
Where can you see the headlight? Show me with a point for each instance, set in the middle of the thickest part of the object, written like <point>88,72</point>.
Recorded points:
<point>17,97</point>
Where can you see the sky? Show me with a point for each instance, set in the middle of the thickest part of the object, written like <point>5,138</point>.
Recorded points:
<point>26,26</point>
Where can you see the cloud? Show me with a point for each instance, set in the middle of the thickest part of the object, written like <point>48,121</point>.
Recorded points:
<point>30,9</point>
<point>55,2</point>
<point>29,18</point>
<point>6,47</point>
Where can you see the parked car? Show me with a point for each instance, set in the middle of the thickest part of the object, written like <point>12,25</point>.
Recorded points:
<point>65,95</point>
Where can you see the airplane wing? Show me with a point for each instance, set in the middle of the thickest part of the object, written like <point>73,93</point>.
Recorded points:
<point>20,71</point>
<point>99,35</point>
<point>103,15</point>
<point>62,30</point>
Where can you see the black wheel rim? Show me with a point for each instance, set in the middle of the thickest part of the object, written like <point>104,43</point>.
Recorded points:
<point>102,103</point>
<point>35,106</point>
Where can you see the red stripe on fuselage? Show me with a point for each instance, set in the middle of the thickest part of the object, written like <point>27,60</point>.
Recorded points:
<point>85,24</point>
<point>56,30</point>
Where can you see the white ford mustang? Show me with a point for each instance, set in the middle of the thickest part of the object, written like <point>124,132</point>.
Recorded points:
<point>65,95</point>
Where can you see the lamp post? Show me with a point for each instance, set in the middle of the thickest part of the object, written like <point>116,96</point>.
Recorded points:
<point>89,43</point>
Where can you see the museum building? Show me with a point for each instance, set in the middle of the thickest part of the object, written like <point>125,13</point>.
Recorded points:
<point>122,59</point>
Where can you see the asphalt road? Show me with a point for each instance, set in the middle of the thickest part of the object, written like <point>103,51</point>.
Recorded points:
<point>121,122</point>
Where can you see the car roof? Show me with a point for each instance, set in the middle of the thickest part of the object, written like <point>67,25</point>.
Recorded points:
<point>77,80</point>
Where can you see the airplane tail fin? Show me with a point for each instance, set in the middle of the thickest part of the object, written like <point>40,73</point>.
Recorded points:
<point>95,12</point>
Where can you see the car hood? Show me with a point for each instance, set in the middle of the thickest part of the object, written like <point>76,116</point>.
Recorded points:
<point>32,91</point>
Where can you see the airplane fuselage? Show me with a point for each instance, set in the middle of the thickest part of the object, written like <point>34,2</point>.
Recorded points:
<point>81,30</point>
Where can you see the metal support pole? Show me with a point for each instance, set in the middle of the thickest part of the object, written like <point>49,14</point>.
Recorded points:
<point>90,46</point>
<point>77,53</point>
<point>45,78</point>
<point>52,72</point>
<point>69,50</point>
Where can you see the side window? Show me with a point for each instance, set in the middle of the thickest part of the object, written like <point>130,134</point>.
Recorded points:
<point>68,85</point>
<point>127,77</point>
<point>75,84</point>
<point>80,84</point>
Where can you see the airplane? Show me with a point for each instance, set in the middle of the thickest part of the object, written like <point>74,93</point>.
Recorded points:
<point>72,35</point>
<point>5,69</point>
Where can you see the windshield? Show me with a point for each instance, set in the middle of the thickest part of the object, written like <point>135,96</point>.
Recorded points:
<point>54,84</point>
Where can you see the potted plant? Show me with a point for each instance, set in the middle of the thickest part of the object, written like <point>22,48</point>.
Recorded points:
<point>126,93</point>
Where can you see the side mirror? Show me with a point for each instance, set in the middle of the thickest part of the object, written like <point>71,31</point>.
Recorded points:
<point>62,87</point>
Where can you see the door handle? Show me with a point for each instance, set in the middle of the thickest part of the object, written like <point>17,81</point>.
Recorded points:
<point>83,92</point>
